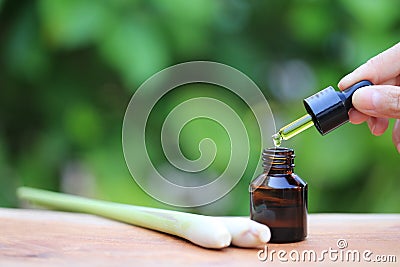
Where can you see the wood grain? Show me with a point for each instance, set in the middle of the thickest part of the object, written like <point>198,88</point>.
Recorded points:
<point>49,238</point>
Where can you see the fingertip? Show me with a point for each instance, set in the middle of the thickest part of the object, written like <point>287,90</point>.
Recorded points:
<point>396,135</point>
<point>377,126</point>
<point>344,83</point>
<point>352,78</point>
<point>340,86</point>
<point>381,125</point>
<point>356,117</point>
<point>364,100</point>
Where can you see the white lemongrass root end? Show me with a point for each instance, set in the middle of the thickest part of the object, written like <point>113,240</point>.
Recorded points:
<point>208,232</point>
<point>246,233</point>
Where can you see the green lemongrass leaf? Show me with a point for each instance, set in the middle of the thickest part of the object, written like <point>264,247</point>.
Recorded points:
<point>204,231</point>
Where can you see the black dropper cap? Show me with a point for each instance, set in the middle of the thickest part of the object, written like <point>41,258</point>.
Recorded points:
<point>329,108</point>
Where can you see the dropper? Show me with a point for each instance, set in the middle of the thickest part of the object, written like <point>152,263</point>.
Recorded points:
<point>327,110</point>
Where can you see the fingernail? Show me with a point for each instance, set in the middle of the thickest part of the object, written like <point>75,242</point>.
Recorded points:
<point>343,81</point>
<point>340,84</point>
<point>371,125</point>
<point>373,129</point>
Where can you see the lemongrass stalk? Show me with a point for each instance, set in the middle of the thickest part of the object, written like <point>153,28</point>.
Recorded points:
<point>202,230</point>
<point>245,232</point>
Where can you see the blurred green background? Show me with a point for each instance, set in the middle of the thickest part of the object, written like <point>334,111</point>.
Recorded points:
<point>69,67</point>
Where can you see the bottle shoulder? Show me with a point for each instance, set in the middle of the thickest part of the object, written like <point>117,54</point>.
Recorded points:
<point>279,181</point>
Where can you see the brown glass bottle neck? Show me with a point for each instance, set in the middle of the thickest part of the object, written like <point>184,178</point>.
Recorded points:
<point>278,160</point>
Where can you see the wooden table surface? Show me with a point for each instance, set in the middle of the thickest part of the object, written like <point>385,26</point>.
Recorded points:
<point>49,238</point>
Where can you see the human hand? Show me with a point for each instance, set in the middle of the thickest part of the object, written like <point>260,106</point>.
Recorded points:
<point>381,101</point>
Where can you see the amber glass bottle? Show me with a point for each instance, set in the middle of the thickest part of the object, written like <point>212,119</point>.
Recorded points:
<point>278,197</point>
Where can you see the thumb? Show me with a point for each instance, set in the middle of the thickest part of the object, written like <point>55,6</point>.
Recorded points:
<point>381,101</point>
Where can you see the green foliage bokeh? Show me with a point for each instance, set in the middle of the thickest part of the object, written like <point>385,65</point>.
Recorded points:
<point>69,67</point>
